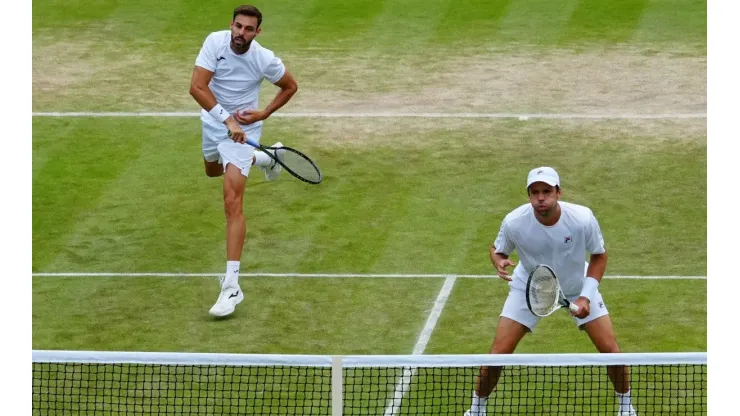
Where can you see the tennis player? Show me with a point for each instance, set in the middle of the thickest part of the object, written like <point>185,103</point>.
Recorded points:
<point>226,82</point>
<point>559,234</point>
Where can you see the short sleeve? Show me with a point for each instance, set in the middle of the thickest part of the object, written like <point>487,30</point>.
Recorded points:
<point>503,242</point>
<point>207,56</point>
<point>594,238</point>
<point>275,70</point>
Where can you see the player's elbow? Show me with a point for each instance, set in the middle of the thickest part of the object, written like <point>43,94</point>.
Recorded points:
<point>287,84</point>
<point>195,90</point>
<point>293,88</point>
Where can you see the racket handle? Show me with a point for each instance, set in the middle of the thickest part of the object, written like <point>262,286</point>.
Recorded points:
<point>573,307</point>
<point>249,141</point>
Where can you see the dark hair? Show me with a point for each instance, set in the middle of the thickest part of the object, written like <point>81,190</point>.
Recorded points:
<point>247,10</point>
<point>557,188</point>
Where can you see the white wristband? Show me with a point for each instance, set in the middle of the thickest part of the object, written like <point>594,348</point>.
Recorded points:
<point>589,288</point>
<point>219,113</point>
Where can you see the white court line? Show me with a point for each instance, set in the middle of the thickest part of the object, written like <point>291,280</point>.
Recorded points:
<point>439,304</point>
<point>561,116</point>
<point>404,383</point>
<point>338,275</point>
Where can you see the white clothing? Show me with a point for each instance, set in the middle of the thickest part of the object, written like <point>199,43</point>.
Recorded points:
<point>562,246</point>
<point>235,84</point>
<point>515,308</point>
<point>217,146</point>
<point>237,78</point>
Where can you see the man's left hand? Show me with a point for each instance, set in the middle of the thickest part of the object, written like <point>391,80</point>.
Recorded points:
<point>584,307</point>
<point>250,116</point>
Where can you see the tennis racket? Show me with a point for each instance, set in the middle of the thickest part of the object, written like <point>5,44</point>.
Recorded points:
<point>293,161</point>
<point>544,295</point>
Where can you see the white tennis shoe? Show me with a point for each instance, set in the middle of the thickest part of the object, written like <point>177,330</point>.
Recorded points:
<point>272,172</point>
<point>229,297</point>
<point>480,412</point>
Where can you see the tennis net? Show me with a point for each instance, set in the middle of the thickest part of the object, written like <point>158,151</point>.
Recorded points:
<point>136,383</point>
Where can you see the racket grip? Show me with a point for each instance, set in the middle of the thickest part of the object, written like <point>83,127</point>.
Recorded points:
<point>249,141</point>
<point>573,307</point>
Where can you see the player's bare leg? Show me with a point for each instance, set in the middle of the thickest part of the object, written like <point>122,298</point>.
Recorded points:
<point>601,332</point>
<point>236,228</point>
<point>213,169</point>
<point>508,335</point>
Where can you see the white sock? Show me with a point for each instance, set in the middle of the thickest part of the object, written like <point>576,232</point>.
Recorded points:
<point>261,159</point>
<point>625,402</point>
<point>232,274</point>
<point>479,404</point>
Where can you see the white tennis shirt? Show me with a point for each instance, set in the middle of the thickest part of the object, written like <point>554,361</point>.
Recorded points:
<point>562,246</point>
<point>237,78</point>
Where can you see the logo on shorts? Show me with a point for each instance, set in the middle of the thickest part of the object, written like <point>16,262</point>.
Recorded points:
<point>601,305</point>
<point>568,239</point>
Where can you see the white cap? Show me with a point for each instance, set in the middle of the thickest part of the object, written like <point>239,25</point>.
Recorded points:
<point>543,174</point>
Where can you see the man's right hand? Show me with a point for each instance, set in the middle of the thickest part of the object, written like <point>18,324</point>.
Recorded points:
<point>501,269</point>
<point>235,131</point>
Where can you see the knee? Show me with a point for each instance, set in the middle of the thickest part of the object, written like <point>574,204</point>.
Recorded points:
<point>214,173</point>
<point>213,169</point>
<point>502,349</point>
<point>503,346</point>
<point>232,207</point>
<point>610,348</point>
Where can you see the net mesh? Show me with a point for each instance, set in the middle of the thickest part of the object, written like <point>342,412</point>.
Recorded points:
<point>143,389</point>
<point>73,388</point>
<point>527,390</point>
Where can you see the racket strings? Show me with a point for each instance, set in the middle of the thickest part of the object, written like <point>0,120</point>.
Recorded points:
<point>299,164</point>
<point>543,293</point>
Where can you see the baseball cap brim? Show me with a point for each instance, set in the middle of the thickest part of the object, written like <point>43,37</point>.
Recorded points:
<point>549,181</point>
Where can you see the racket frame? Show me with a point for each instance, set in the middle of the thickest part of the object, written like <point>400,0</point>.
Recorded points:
<point>562,301</point>
<point>277,160</point>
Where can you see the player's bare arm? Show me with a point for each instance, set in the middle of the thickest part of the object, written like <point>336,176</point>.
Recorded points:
<point>288,87</point>
<point>501,262</point>
<point>204,97</point>
<point>596,270</point>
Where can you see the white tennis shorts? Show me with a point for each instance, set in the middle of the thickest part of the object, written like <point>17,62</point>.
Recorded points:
<point>217,146</point>
<point>515,308</point>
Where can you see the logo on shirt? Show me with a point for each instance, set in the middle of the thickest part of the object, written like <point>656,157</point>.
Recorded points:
<point>223,57</point>
<point>568,239</point>
<point>601,305</point>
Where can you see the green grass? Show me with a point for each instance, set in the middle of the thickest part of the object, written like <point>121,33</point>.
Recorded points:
<point>114,56</point>
<point>422,205</point>
<point>290,25</point>
<point>279,316</point>
<point>136,200</point>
